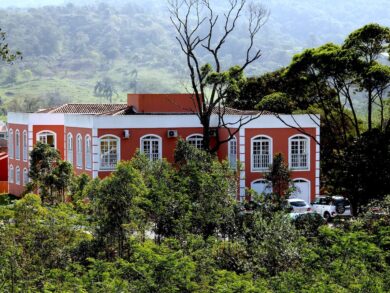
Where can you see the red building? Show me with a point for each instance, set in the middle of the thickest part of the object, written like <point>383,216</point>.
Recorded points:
<point>94,137</point>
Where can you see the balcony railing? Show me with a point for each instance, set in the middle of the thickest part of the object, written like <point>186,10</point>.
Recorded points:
<point>261,162</point>
<point>299,161</point>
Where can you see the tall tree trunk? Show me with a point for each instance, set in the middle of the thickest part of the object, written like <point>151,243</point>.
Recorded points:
<point>369,110</point>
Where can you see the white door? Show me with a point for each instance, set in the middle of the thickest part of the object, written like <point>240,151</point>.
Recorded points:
<point>262,186</point>
<point>302,190</point>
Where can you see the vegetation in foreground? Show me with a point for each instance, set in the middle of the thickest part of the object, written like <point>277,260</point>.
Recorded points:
<point>156,227</point>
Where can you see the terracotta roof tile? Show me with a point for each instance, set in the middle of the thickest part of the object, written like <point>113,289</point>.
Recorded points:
<point>124,109</point>
<point>85,109</point>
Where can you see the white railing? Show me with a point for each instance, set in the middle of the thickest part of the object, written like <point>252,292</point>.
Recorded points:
<point>298,161</point>
<point>261,162</point>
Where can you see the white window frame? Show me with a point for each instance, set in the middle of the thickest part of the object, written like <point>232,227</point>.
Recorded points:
<point>195,140</point>
<point>11,148</point>
<point>11,174</point>
<point>290,140</point>
<point>79,151</point>
<point>232,152</point>
<point>17,175</point>
<point>88,152</point>
<point>17,144</point>
<point>45,133</point>
<point>151,138</point>
<point>25,177</point>
<point>270,150</point>
<point>25,146</point>
<point>109,138</point>
<point>69,147</point>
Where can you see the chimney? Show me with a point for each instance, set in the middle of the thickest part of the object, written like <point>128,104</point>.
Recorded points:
<point>162,103</point>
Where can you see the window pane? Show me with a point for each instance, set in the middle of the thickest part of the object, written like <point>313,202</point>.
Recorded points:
<point>108,153</point>
<point>150,146</point>
<point>299,152</point>
<point>261,153</point>
<point>233,153</point>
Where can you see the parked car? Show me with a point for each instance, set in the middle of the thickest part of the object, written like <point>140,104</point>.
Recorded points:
<point>298,206</point>
<point>332,206</point>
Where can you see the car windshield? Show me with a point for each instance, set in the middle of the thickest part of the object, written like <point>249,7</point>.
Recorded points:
<point>297,203</point>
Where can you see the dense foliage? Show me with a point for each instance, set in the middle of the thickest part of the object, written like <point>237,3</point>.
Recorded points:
<point>156,227</point>
<point>348,86</point>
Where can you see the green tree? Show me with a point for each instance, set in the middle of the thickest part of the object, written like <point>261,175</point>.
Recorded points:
<point>167,203</point>
<point>366,172</point>
<point>104,88</point>
<point>368,43</point>
<point>49,175</point>
<point>280,176</point>
<point>115,206</point>
<point>277,103</point>
<point>211,187</point>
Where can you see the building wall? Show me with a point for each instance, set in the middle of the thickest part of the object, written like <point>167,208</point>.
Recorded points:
<point>57,129</point>
<point>83,132</point>
<point>280,138</point>
<point>128,147</point>
<point>142,125</point>
<point>15,188</point>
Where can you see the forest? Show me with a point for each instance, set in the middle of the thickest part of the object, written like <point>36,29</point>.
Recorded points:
<point>157,227</point>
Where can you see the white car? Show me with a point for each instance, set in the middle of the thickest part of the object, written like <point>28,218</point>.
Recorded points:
<point>332,206</point>
<point>298,206</point>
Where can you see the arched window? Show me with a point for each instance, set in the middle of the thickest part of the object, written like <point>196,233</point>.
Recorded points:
<point>109,152</point>
<point>262,186</point>
<point>88,152</point>
<point>17,144</point>
<point>232,152</point>
<point>25,142</point>
<point>151,147</point>
<point>261,153</point>
<point>69,147</point>
<point>299,152</point>
<point>17,175</point>
<point>196,140</point>
<point>25,177</point>
<point>79,151</point>
<point>11,174</point>
<point>47,137</point>
<point>11,144</point>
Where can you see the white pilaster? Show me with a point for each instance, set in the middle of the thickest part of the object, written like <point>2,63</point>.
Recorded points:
<point>317,189</point>
<point>95,153</point>
<point>242,163</point>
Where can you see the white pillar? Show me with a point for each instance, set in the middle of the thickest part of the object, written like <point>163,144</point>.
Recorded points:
<point>242,163</point>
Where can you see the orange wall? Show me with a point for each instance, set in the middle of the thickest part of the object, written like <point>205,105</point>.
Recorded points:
<point>129,146</point>
<point>84,132</point>
<point>280,145</point>
<point>58,129</point>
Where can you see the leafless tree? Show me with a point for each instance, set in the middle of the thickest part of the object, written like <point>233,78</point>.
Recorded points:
<point>202,33</point>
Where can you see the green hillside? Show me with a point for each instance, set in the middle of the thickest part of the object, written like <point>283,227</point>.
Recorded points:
<point>68,48</point>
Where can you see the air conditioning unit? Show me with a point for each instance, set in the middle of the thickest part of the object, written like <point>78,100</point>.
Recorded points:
<point>213,132</point>
<point>172,133</point>
<point>126,133</point>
